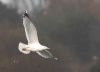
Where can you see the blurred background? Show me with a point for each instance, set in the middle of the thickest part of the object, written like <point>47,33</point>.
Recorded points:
<point>71,28</point>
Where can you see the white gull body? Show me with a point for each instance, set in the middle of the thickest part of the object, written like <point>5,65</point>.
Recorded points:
<point>32,38</point>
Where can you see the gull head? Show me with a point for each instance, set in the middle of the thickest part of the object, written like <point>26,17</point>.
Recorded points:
<point>23,48</point>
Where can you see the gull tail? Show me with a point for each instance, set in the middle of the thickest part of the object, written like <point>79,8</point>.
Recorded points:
<point>46,54</point>
<point>23,48</point>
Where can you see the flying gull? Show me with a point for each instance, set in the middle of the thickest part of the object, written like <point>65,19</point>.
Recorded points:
<point>32,38</point>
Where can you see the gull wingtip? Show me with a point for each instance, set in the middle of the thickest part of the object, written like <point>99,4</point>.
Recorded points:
<point>25,14</point>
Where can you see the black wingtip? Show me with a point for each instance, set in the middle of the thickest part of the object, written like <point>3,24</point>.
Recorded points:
<point>25,14</point>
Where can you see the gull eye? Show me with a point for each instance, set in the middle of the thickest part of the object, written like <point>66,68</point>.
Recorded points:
<point>24,49</point>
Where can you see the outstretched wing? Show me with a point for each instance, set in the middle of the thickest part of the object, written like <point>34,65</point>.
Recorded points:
<point>46,54</point>
<point>30,30</point>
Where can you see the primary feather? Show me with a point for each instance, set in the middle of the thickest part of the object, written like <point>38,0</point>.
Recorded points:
<point>45,54</point>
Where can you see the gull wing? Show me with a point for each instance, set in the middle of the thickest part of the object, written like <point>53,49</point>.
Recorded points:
<point>45,54</point>
<point>30,30</point>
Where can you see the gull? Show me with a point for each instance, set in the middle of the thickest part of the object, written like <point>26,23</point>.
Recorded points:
<point>32,38</point>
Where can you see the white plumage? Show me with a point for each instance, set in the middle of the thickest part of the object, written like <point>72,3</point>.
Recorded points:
<point>32,38</point>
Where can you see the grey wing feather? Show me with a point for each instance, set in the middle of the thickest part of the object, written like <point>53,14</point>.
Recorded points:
<point>45,54</point>
<point>30,30</point>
